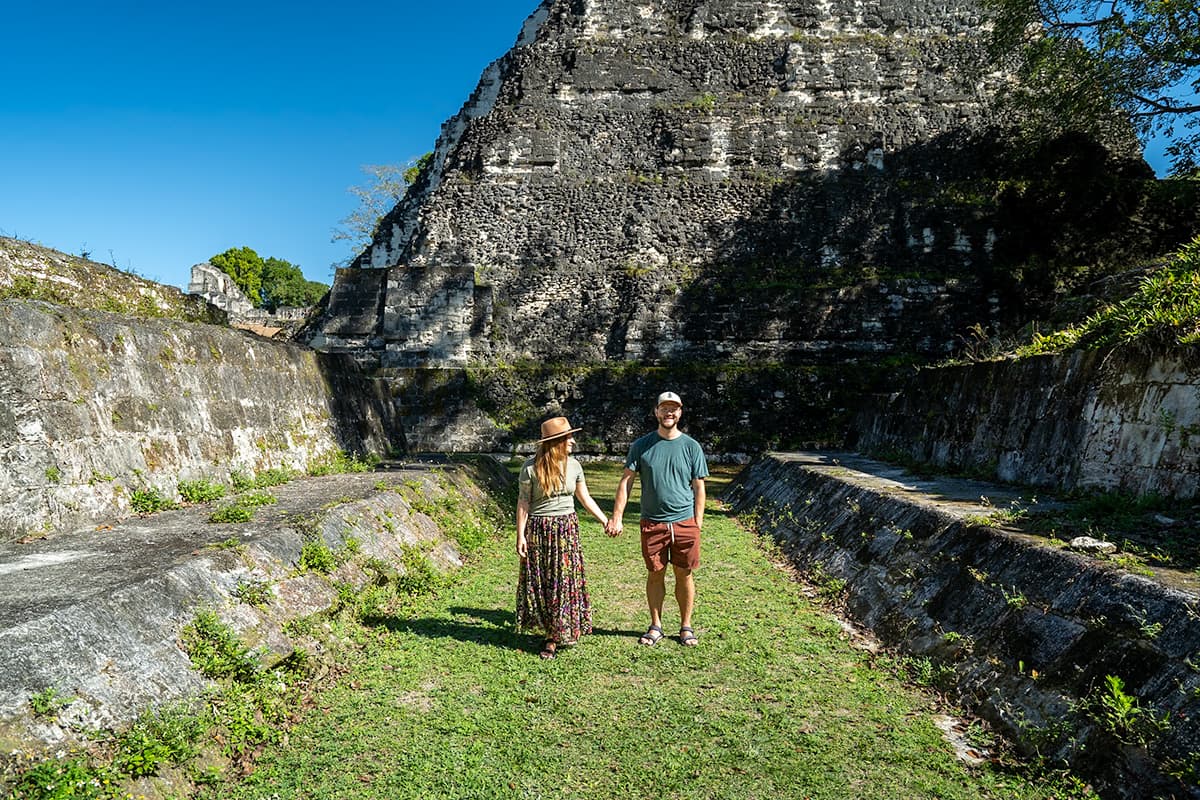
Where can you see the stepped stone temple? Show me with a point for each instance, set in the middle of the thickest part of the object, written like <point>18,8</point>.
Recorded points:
<point>695,182</point>
<point>616,172</point>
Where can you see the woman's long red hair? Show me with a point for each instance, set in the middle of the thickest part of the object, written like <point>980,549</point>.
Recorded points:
<point>550,465</point>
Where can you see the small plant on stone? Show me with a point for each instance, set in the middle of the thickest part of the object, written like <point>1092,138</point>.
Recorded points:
<point>275,476</point>
<point>241,480</point>
<point>201,491</point>
<point>830,588</point>
<point>149,501</point>
<point>255,499</point>
<point>48,702</point>
<point>340,462</point>
<point>216,651</point>
<point>157,738</point>
<point>242,507</point>
<point>232,513</point>
<point>316,557</point>
<point>74,777</point>
<point>1150,630</point>
<point>418,577</point>
<point>53,474</point>
<point>1122,716</point>
<point>1014,599</point>
<point>256,593</point>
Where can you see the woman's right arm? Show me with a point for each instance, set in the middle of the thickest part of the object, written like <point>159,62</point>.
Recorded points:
<point>522,522</point>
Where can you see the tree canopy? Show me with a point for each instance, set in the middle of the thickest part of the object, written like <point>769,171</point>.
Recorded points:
<point>269,283</point>
<point>1080,58</point>
<point>245,267</point>
<point>387,186</point>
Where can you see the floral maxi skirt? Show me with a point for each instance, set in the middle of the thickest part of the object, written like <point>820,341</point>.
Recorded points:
<point>552,596</point>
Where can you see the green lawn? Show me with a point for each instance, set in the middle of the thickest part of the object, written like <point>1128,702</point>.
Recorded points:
<point>443,699</point>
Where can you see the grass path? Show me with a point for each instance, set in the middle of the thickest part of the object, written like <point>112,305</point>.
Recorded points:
<point>445,700</point>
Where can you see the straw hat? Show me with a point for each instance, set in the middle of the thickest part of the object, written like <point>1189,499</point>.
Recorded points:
<point>556,427</point>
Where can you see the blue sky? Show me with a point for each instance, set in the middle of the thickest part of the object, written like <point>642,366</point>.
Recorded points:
<point>157,134</point>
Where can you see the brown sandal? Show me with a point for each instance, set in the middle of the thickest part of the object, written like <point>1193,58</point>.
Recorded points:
<point>651,637</point>
<point>549,649</point>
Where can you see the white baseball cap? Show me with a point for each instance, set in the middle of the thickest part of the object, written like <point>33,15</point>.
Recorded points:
<point>668,397</point>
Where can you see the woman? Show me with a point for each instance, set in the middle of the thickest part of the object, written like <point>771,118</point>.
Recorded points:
<point>552,595</point>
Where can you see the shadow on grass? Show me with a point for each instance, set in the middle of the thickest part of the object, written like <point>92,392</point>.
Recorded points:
<point>482,626</point>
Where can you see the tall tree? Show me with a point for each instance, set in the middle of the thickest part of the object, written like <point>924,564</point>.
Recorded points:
<point>1079,58</point>
<point>284,284</point>
<point>245,267</point>
<point>387,186</point>
<point>270,282</point>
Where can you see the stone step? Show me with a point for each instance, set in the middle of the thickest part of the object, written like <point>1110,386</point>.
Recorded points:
<point>1015,629</point>
<point>95,614</point>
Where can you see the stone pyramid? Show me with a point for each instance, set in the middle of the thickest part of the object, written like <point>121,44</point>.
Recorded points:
<point>679,179</point>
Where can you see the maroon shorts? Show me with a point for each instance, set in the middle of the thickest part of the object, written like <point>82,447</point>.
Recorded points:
<point>675,543</point>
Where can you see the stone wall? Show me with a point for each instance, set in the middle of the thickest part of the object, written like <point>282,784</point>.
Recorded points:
<point>220,289</point>
<point>1119,420</point>
<point>29,271</point>
<point>94,406</point>
<point>1021,633</point>
<point>731,408</point>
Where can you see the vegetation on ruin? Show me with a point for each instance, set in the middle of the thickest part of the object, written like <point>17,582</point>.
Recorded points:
<point>268,282</point>
<point>431,693</point>
<point>254,701</point>
<point>31,272</point>
<point>421,688</point>
<point>1153,535</point>
<point>1164,310</point>
<point>442,698</point>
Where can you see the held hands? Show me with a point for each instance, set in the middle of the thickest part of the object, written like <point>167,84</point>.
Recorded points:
<point>613,527</point>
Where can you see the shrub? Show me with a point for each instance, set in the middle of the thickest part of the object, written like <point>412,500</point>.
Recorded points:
<point>341,461</point>
<point>157,738</point>
<point>148,501</point>
<point>216,651</point>
<point>201,491</point>
<point>232,513</point>
<point>315,556</point>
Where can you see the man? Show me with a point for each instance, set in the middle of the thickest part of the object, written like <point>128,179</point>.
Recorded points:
<point>672,469</point>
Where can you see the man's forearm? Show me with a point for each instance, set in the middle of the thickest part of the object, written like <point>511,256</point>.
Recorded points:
<point>621,499</point>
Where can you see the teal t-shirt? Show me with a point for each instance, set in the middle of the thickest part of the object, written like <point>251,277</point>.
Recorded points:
<point>667,468</point>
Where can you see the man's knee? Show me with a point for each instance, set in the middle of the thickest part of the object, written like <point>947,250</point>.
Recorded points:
<point>681,573</point>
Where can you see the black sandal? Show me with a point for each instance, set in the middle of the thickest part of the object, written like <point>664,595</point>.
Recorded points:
<point>549,649</point>
<point>651,637</point>
<point>687,637</point>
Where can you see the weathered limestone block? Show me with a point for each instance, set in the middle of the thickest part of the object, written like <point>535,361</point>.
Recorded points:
<point>1022,633</point>
<point>1105,420</point>
<point>98,405</point>
<point>96,615</point>
<point>220,289</point>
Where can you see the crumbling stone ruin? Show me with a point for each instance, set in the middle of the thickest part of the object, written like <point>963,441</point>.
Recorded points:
<point>737,198</point>
<point>221,291</point>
